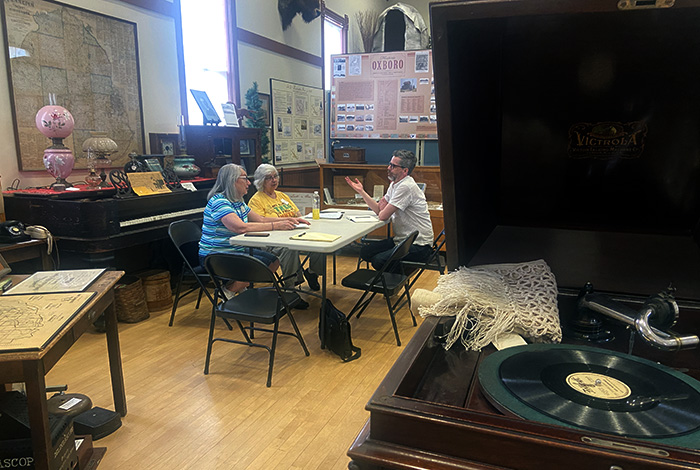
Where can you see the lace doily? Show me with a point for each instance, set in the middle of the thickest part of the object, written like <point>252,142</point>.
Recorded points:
<point>498,298</point>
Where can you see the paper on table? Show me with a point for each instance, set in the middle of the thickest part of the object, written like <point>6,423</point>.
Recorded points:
<point>315,237</point>
<point>363,218</point>
<point>327,215</point>
<point>44,282</point>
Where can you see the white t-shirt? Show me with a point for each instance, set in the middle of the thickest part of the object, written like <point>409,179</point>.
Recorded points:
<point>412,213</point>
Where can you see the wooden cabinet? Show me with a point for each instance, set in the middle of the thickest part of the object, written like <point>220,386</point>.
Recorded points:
<point>332,177</point>
<point>212,146</point>
<point>517,189</point>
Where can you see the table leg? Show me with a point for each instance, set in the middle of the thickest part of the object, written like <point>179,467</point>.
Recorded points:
<point>38,413</point>
<point>115,358</point>
<point>46,261</point>
<point>322,316</point>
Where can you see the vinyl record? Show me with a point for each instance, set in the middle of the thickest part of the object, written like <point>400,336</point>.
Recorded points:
<point>593,389</point>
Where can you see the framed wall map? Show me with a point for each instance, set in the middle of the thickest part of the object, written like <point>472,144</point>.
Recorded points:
<point>88,60</point>
<point>297,123</point>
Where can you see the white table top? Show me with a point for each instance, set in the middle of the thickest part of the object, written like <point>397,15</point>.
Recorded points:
<point>348,230</point>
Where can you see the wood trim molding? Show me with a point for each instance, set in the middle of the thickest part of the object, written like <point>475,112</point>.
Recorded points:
<point>278,48</point>
<point>180,62</point>
<point>234,88</point>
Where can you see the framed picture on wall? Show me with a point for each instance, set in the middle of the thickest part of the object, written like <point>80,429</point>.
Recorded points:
<point>265,98</point>
<point>245,147</point>
<point>163,144</point>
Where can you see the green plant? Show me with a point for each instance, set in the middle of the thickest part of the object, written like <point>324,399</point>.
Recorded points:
<point>256,118</point>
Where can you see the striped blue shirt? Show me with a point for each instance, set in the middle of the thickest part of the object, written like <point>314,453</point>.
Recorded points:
<point>215,235</point>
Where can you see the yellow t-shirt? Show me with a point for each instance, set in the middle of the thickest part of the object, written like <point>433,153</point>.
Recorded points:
<point>280,206</point>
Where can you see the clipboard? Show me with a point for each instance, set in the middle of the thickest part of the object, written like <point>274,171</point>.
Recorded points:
<point>315,237</point>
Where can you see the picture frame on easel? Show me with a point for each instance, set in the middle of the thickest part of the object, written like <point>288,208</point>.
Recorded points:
<point>209,114</point>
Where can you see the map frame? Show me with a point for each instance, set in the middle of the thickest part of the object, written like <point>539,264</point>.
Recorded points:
<point>101,86</point>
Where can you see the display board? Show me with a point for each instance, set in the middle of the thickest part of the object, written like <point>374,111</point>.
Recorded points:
<point>383,95</point>
<point>297,123</point>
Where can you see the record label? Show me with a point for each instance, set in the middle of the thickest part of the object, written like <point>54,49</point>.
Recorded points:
<point>598,386</point>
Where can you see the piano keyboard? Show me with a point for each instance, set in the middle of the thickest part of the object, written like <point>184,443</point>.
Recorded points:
<point>155,218</point>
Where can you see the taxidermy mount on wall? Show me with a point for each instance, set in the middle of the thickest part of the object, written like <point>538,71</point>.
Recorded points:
<point>288,9</point>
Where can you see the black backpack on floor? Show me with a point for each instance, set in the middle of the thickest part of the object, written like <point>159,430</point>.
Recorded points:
<point>336,335</point>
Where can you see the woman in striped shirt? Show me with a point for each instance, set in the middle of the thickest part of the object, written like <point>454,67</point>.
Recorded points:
<point>226,216</point>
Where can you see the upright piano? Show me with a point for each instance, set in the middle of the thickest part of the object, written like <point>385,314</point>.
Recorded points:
<point>93,227</point>
<point>568,132</point>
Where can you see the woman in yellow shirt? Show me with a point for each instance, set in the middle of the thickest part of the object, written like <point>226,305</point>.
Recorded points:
<point>269,202</point>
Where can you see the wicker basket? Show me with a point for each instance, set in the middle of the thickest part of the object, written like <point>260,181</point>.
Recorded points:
<point>130,300</point>
<point>156,285</point>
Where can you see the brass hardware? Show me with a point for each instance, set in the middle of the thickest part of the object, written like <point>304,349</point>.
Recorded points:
<point>644,4</point>
<point>624,446</point>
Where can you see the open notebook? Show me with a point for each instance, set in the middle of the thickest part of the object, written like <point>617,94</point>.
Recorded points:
<point>315,237</point>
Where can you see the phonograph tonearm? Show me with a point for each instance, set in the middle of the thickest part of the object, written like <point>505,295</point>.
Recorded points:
<point>658,313</point>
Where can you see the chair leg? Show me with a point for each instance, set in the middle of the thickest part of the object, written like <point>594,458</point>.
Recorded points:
<point>242,328</point>
<point>177,296</point>
<point>211,338</point>
<point>393,318</point>
<point>364,307</point>
<point>272,352</point>
<point>408,299</point>
<point>334,269</point>
<point>357,304</point>
<point>298,333</point>
<point>199,297</point>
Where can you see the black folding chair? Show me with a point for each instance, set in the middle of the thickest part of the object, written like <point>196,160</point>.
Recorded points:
<point>373,282</point>
<point>263,305</point>
<point>435,262</point>
<point>185,235</point>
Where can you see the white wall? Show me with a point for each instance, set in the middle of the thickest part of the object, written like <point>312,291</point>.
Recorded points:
<point>259,65</point>
<point>159,85</point>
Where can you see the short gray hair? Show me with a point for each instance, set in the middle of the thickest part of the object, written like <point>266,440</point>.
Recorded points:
<point>226,182</point>
<point>263,171</point>
<point>408,159</point>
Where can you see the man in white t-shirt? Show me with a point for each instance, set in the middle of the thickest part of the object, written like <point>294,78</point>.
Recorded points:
<point>404,203</point>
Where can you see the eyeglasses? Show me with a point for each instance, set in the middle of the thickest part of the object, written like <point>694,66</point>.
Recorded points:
<point>244,177</point>
<point>393,165</point>
<point>272,177</point>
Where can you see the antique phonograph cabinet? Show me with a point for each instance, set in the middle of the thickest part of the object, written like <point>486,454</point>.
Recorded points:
<point>568,132</point>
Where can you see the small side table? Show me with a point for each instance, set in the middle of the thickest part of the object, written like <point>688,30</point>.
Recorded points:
<point>22,251</point>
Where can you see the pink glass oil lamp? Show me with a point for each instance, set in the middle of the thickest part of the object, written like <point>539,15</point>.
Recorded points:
<point>56,123</point>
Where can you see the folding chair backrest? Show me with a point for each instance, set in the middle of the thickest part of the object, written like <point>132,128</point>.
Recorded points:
<point>399,252</point>
<point>185,235</point>
<point>239,267</point>
<point>401,249</point>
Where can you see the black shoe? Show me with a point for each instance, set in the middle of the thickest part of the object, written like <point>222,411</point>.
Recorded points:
<point>312,280</point>
<point>301,305</point>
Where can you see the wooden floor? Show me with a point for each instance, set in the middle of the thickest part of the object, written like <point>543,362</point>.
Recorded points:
<point>179,418</point>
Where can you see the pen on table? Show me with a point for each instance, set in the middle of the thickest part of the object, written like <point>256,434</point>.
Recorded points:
<point>6,284</point>
<point>301,234</point>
